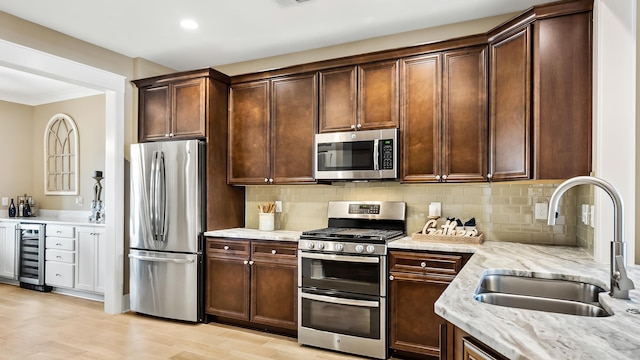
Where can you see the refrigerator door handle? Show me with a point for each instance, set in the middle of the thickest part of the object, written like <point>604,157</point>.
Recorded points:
<point>152,195</point>
<point>161,193</point>
<point>157,259</point>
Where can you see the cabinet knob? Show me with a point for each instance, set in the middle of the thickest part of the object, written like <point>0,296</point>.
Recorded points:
<point>270,181</point>
<point>245,262</point>
<point>171,134</point>
<point>391,277</point>
<point>359,126</point>
<point>353,127</point>
<point>444,177</point>
<point>266,180</point>
<point>250,262</point>
<point>438,177</point>
<point>226,247</point>
<point>489,176</point>
<point>273,252</point>
<point>166,135</point>
<point>423,264</point>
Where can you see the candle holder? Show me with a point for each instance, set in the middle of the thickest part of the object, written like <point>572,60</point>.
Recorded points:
<point>97,208</point>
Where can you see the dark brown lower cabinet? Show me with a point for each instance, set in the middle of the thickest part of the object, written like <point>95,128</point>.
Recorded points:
<point>252,283</point>
<point>462,346</point>
<point>416,281</point>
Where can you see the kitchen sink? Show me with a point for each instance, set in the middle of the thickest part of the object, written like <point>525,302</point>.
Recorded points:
<point>549,295</point>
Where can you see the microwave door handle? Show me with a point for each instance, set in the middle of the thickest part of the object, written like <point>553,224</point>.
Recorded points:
<point>376,155</point>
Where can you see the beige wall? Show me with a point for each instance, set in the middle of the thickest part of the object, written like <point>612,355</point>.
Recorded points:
<point>16,154</point>
<point>89,116</point>
<point>410,38</point>
<point>22,131</point>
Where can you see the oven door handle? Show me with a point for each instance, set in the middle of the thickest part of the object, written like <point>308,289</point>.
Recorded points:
<point>359,259</point>
<point>341,301</point>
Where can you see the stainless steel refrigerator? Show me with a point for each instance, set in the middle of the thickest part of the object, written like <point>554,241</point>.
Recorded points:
<point>166,229</point>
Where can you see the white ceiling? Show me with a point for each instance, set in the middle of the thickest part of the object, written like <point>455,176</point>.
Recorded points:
<point>232,31</point>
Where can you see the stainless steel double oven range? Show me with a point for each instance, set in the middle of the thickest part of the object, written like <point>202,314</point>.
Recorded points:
<point>342,275</point>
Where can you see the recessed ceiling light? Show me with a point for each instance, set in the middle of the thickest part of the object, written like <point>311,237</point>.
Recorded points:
<point>189,24</point>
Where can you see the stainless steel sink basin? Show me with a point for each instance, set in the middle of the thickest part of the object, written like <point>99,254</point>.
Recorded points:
<point>549,295</point>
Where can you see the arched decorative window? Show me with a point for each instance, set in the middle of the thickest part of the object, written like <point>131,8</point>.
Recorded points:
<point>61,156</point>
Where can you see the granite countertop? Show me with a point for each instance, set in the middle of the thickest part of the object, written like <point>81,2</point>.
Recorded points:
<point>527,334</point>
<point>245,233</point>
<point>60,217</point>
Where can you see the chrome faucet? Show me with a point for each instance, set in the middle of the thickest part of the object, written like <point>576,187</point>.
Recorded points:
<point>620,283</point>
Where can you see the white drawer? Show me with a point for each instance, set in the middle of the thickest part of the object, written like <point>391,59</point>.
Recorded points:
<point>58,274</point>
<point>60,255</point>
<point>61,231</point>
<point>60,243</point>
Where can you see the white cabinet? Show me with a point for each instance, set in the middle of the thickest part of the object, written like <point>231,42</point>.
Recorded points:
<point>60,255</point>
<point>8,250</point>
<point>90,259</point>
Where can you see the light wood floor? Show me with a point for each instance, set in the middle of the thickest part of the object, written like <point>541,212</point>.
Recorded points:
<point>35,325</point>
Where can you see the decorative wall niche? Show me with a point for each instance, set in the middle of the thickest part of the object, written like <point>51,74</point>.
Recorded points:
<point>61,156</point>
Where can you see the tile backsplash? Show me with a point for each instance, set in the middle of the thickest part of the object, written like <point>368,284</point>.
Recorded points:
<point>503,211</point>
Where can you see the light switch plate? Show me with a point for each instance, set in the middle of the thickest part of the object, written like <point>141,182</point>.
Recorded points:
<point>79,200</point>
<point>5,201</point>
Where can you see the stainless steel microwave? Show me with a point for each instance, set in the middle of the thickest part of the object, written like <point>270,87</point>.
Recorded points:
<point>356,155</point>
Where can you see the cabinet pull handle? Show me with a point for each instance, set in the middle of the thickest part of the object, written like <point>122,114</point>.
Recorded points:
<point>58,257</point>
<point>226,247</point>
<point>245,262</point>
<point>391,277</point>
<point>273,252</point>
<point>58,232</point>
<point>58,244</point>
<point>251,262</point>
<point>423,264</point>
<point>58,275</point>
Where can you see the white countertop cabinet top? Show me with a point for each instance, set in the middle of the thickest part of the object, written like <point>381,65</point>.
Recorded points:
<point>527,334</point>
<point>244,233</point>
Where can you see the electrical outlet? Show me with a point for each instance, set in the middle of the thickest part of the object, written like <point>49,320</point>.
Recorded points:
<point>79,200</point>
<point>278,206</point>
<point>585,214</point>
<point>541,211</point>
<point>592,216</point>
<point>5,201</point>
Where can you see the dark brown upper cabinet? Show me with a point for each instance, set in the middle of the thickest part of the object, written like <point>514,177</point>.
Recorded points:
<point>361,97</point>
<point>510,106</point>
<point>172,110</point>
<point>271,130</point>
<point>562,84</point>
<point>444,116</point>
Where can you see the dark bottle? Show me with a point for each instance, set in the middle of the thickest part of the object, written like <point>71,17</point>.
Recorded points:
<point>26,212</point>
<point>12,209</point>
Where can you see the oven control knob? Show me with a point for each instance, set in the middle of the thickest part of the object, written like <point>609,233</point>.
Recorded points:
<point>339,247</point>
<point>371,249</point>
<point>359,248</point>
<point>320,246</point>
<point>309,245</point>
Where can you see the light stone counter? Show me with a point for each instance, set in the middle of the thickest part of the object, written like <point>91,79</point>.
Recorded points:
<point>244,233</point>
<point>528,334</point>
<point>58,217</point>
